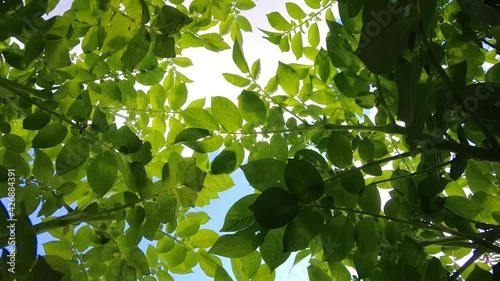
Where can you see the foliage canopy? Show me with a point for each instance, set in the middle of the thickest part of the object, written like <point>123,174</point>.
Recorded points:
<point>303,139</point>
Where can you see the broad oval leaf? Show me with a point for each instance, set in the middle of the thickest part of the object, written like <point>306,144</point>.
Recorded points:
<point>278,22</point>
<point>265,173</point>
<point>252,108</point>
<point>136,216</point>
<point>365,235</point>
<point>14,143</point>
<point>288,79</point>
<point>102,172</point>
<point>275,208</point>
<point>239,216</point>
<point>226,113</point>
<point>191,134</point>
<point>50,136</point>
<point>136,258</point>
<point>239,244</point>
<point>369,200</point>
<point>301,230</point>
<point>272,248</point>
<point>463,207</point>
<point>74,153</point>
<point>353,181</point>
<point>337,238</point>
<point>339,150</point>
<point>304,181</point>
<point>126,141</point>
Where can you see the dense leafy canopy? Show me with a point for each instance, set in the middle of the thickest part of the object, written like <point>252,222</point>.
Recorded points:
<point>404,100</point>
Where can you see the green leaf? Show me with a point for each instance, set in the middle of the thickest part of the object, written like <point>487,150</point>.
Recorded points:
<point>59,248</point>
<point>239,216</point>
<point>304,181</point>
<point>187,227</point>
<point>458,165</point>
<point>164,46</point>
<point>222,275</point>
<point>50,136</point>
<point>463,207</point>
<point>145,12</point>
<point>278,22</point>
<point>366,100</point>
<point>57,53</point>
<point>272,249</point>
<point>481,11</point>
<point>301,230</point>
<point>313,4</point>
<point>288,79</point>
<point>351,84</point>
<point>199,118</point>
<point>295,11</point>
<point>74,153</point>
<point>49,267</point>
<point>339,51</point>
<point>265,173</point>
<point>245,4</point>
<point>236,80</point>
<point>339,150</point>
<point>317,274</point>
<point>14,143</point>
<point>313,35</point>
<point>214,42</point>
<point>170,20</point>
<point>365,235</point>
<point>337,238</point>
<point>476,179</point>
<point>239,58</point>
<point>480,274</point>
<point>252,108</point>
<point>136,216</point>
<point>168,208</point>
<point>102,172</point>
<point>26,244</point>
<point>99,121</point>
<point>189,174</point>
<point>191,134</point>
<point>365,263</point>
<point>369,200</point>
<point>314,158</point>
<point>224,163</point>
<point>43,168</point>
<point>36,121</point>
<point>239,244</point>
<point>275,208</point>
<point>136,258</point>
<point>366,150</point>
<point>226,113</point>
<point>205,238</point>
<point>137,48</point>
<point>126,141</point>
<point>353,181</point>
<point>384,35</point>
<point>255,71</point>
<point>243,23</point>
<point>157,96</point>
<point>177,96</point>
<point>152,221</point>
<point>14,160</point>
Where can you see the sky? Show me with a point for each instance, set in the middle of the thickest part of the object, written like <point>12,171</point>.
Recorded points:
<point>208,81</point>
